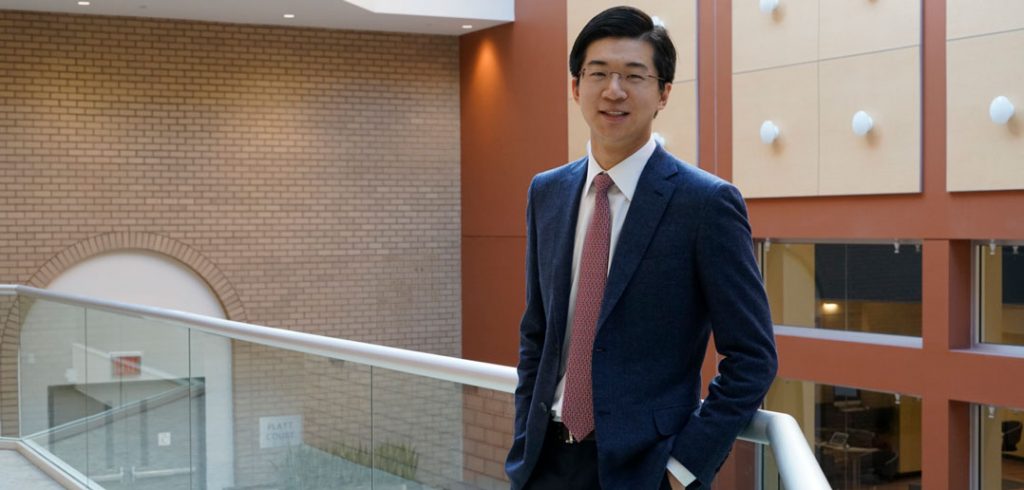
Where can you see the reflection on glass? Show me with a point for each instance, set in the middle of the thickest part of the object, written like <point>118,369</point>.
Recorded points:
<point>1002,294</point>
<point>861,438</point>
<point>1001,455</point>
<point>854,287</point>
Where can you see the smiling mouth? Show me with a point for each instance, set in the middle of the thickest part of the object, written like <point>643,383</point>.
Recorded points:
<point>615,113</point>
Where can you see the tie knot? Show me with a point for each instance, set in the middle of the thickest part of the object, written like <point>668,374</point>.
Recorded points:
<point>602,182</point>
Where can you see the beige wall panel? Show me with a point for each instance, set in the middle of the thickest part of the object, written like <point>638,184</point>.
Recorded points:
<point>788,97</point>
<point>861,26</point>
<point>678,122</point>
<point>788,36</point>
<point>983,155</point>
<point>974,17</point>
<point>886,85</point>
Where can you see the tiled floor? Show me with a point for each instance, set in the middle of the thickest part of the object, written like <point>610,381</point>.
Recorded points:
<point>18,472</point>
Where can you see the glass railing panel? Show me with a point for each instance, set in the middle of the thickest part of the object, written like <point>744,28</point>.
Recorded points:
<point>300,421</point>
<point>137,378</point>
<point>52,376</point>
<point>429,433</point>
<point>417,431</point>
<point>212,414</point>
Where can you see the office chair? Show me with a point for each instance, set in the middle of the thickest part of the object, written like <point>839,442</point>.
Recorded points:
<point>1011,434</point>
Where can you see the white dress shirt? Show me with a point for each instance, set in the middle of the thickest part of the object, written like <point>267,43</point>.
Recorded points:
<point>624,176</point>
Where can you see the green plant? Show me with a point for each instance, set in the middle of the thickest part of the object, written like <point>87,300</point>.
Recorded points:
<point>400,460</point>
<point>344,466</point>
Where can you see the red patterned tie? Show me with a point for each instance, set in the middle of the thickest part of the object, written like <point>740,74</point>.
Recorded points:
<point>578,413</point>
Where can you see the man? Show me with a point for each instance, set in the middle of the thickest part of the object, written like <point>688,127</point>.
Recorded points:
<point>633,259</point>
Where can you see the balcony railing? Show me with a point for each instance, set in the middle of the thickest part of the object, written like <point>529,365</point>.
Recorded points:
<point>113,395</point>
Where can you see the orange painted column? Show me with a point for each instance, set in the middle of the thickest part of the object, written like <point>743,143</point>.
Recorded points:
<point>513,126</point>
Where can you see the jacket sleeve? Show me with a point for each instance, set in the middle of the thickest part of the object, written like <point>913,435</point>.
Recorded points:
<point>743,335</point>
<point>532,325</point>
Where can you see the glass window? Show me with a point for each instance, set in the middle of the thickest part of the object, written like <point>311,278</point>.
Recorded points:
<point>1002,294</point>
<point>1000,452</point>
<point>862,438</point>
<point>855,287</point>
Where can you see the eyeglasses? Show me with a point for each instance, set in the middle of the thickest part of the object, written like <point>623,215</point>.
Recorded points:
<point>628,79</point>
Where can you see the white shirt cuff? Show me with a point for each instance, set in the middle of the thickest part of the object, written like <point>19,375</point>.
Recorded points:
<point>680,472</point>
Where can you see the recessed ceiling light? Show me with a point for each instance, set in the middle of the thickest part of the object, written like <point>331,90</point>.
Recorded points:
<point>289,16</point>
<point>85,4</point>
<point>467,26</point>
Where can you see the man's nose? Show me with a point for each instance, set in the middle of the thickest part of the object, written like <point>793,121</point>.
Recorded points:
<point>614,89</point>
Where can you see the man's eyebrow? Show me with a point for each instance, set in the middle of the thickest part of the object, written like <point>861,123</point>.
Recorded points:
<point>631,64</point>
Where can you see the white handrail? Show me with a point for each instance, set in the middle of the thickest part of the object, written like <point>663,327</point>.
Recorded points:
<point>797,466</point>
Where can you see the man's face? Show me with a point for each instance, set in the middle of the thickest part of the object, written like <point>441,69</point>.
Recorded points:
<point>619,106</point>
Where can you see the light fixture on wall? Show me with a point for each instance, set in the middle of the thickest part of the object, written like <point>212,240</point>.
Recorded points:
<point>897,398</point>
<point>769,6</point>
<point>467,26</point>
<point>896,246</point>
<point>288,16</point>
<point>991,247</point>
<point>769,132</point>
<point>83,3</point>
<point>829,308</point>
<point>862,123</point>
<point>1000,110</point>
<point>991,412</point>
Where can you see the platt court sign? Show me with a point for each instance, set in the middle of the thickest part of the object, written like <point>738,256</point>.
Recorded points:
<point>281,431</point>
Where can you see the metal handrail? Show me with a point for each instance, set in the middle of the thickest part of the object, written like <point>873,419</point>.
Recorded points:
<point>798,468</point>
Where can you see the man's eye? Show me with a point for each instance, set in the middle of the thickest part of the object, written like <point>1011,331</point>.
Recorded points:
<point>597,75</point>
<point>633,78</point>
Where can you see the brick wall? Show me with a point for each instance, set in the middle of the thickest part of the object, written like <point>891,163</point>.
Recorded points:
<point>489,417</point>
<point>319,170</point>
<point>316,171</point>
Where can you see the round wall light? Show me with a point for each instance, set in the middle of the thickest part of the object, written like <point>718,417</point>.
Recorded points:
<point>769,6</point>
<point>769,132</point>
<point>862,123</point>
<point>1000,110</point>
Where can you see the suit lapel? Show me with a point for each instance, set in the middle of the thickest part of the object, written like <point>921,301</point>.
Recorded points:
<point>653,192</point>
<point>564,218</point>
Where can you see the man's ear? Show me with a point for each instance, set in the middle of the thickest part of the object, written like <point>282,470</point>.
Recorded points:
<point>664,96</point>
<point>576,89</point>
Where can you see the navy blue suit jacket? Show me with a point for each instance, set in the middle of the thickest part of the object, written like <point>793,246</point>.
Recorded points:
<point>683,268</point>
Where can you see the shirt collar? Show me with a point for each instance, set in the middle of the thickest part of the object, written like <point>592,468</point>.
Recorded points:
<point>626,174</point>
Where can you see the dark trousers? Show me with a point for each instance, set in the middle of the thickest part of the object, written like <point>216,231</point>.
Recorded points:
<point>565,466</point>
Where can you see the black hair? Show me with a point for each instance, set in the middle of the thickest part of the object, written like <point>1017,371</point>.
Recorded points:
<point>626,22</point>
